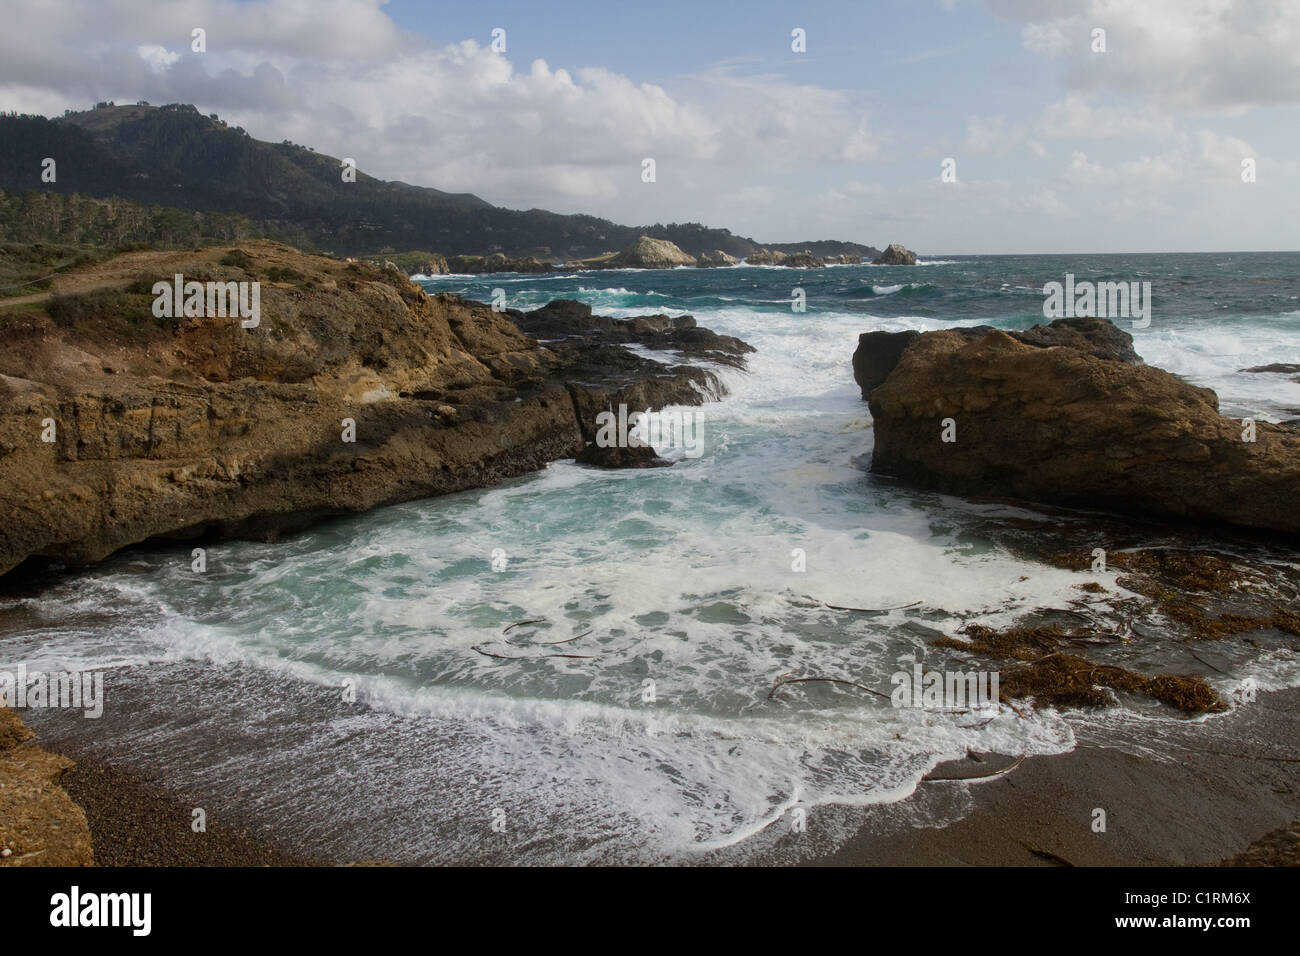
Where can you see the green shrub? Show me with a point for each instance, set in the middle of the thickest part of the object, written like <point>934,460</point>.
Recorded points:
<point>239,259</point>
<point>114,312</point>
<point>284,274</point>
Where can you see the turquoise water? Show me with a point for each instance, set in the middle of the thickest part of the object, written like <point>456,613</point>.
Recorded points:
<point>681,581</point>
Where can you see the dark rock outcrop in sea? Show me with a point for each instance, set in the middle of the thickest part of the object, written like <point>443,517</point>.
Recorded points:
<point>356,389</point>
<point>714,260</point>
<point>895,255</point>
<point>792,260</point>
<point>1078,423</point>
<point>573,323</point>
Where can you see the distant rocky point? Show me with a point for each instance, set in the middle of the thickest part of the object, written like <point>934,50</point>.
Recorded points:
<point>646,253</point>
<point>497,262</point>
<point>895,255</point>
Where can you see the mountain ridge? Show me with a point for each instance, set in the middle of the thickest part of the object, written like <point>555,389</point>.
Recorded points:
<point>174,156</point>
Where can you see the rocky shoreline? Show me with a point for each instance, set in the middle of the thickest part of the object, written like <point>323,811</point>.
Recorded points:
<point>649,253</point>
<point>356,390</point>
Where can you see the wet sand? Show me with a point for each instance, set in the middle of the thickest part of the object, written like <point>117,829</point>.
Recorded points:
<point>1174,793</point>
<point>137,821</point>
<point>1193,795</point>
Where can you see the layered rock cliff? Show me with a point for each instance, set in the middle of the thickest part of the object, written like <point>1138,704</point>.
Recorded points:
<point>354,390</point>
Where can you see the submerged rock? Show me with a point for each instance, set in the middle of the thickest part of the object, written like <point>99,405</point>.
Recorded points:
<point>895,255</point>
<point>1063,425</point>
<point>614,456</point>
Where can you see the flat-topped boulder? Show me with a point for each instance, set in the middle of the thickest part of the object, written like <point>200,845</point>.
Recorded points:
<point>895,255</point>
<point>791,260</point>
<point>986,414</point>
<point>879,352</point>
<point>714,259</point>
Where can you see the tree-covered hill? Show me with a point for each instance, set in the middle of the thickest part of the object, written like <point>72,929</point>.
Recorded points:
<point>173,157</point>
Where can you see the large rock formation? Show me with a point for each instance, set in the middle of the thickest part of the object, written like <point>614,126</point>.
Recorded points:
<point>39,823</point>
<point>434,265</point>
<point>895,255</point>
<point>356,389</point>
<point>574,323</point>
<point>879,352</point>
<point>793,260</point>
<point>647,253</point>
<point>715,259</point>
<point>876,355</point>
<point>590,347</point>
<point>1061,424</point>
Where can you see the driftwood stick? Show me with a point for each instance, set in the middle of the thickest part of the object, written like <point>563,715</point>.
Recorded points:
<point>986,776</point>
<point>1207,663</point>
<point>830,680</point>
<point>1037,850</point>
<point>870,610</point>
<point>567,640</point>
<point>528,657</point>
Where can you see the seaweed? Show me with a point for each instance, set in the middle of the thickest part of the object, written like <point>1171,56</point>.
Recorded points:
<point>1066,680</point>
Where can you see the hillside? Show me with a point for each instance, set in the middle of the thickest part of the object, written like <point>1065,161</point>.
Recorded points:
<point>173,156</point>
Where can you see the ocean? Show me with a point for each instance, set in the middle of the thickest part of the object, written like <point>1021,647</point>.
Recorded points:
<point>690,590</point>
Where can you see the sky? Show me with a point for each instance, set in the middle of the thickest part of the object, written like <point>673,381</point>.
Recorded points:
<point>1061,139</point>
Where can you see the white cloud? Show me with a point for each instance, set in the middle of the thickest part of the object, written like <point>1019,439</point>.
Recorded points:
<point>1215,55</point>
<point>340,76</point>
<point>1074,117</point>
<point>159,58</point>
<point>990,134</point>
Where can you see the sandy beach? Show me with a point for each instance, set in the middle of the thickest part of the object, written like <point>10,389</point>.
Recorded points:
<point>1174,793</point>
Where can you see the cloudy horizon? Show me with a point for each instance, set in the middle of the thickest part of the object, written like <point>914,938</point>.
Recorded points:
<point>1057,146</point>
